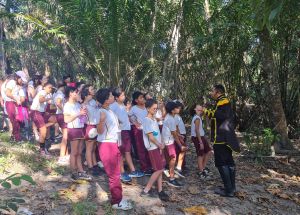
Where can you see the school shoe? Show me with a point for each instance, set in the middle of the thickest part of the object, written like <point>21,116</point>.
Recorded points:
<point>167,173</point>
<point>163,196</point>
<point>207,170</point>
<point>75,177</point>
<point>125,178</point>
<point>97,169</point>
<point>84,176</point>
<point>148,172</point>
<point>148,194</point>
<point>174,183</point>
<point>123,205</point>
<point>44,153</point>
<point>136,174</point>
<point>59,136</point>
<point>203,175</point>
<point>100,164</point>
<point>229,184</point>
<point>92,171</point>
<point>179,173</point>
<point>63,161</point>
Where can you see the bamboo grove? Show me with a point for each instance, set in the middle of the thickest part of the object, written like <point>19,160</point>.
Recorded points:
<point>175,48</point>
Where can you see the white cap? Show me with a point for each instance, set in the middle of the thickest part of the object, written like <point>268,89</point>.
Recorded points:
<point>22,75</point>
<point>93,133</point>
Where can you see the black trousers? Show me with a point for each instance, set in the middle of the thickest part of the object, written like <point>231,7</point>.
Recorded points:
<point>223,155</point>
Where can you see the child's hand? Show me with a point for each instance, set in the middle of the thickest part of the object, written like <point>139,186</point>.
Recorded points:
<point>161,146</point>
<point>201,145</point>
<point>183,148</point>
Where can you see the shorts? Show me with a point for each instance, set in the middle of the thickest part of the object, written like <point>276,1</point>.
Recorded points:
<point>157,159</point>
<point>206,148</point>
<point>86,131</point>
<point>75,134</point>
<point>38,118</point>
<point>126,141</point>
<point>171,151</point>
<point>61,121</point>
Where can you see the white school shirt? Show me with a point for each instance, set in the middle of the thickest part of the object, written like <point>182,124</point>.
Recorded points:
<point>121,113</point>
<point>159,115</point>
<point>73,109</point>
<point>19,92</point>
<point>180,124</point>
<point>30,85</point>
<point>12,85</point>
<point>39,88</point>
<point>3,95</point>
<point>59,95</point>
<point>111,131</point>
<point>138,113</point>
<point>151,126</point>
<point>193,127</point>
<point>168,127</point>
<point>36,105</point>
<point>93,113</point>
<point>3,88</point>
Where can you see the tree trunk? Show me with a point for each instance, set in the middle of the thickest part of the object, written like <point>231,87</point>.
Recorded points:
<point>2,50</point>
<point>276,108</point>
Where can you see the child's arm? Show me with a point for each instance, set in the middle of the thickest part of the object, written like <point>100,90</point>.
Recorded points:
<point>100,126</point>
<point>177,140</point>
<point>154,140</point>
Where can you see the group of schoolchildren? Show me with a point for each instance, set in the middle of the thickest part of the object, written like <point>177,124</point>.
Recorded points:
<point>109,129</point>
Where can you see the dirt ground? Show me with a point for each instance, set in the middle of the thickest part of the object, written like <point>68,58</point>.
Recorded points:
<point>269,186</point>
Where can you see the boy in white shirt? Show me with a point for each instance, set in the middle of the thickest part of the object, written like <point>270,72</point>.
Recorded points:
<point>119,109</point>
<point>170,138</point>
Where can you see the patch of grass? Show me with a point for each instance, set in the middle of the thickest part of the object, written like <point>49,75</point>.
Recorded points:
<point>4,137</point>
<point>34,162</point>
<point>5,160</point>
<point>108,209</point>
<point>84,208</point>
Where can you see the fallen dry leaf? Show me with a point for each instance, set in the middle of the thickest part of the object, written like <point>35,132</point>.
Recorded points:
<point>241,195</point>
<point>195,210</point>
<point>194,190</point>
<point>283,196</point>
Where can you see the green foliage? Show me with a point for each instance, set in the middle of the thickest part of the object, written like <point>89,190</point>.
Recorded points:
<point>15,179</point>
<point>260,143</point>
<point>175,49</point>
<point>84,208</point>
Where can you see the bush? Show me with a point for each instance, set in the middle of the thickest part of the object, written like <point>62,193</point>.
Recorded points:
<point>260,143</point>
<point>12,203</point>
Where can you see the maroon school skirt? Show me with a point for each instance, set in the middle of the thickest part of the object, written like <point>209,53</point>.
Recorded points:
<point>157,159</point>
<point>75,134</point>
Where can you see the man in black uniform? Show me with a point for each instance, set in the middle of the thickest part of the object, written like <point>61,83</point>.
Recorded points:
<point>223,138</point>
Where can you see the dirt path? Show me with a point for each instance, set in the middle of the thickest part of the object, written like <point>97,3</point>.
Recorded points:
<point>270,187</point>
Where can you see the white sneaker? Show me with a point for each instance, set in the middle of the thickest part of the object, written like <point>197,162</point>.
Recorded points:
<point>167,173</point>
<point>37,138</point>
<point>123,205</point>
<point>100,164</point>
<point>63,161</point>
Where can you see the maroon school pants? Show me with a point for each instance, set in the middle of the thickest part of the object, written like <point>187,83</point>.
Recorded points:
<point>12,115</point>
<point>111,157</point>
<point>143,155</point>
